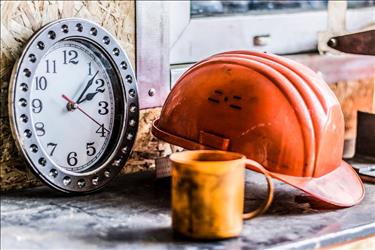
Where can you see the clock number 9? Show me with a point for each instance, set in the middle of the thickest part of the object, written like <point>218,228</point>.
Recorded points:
<point>104,108</point>
<point>40,83</point>
<point>37,105</point>
<point>73,54</point>
<point>72,159</point>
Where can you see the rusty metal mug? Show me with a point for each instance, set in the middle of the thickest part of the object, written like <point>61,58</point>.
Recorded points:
<point>208,190</point>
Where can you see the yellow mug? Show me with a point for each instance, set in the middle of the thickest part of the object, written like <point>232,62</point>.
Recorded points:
<point>208,189</point>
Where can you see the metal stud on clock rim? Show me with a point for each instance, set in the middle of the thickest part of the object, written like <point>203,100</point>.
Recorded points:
<point>40,163</point>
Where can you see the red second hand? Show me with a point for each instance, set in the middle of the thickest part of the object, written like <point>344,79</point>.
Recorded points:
<point>80,109</point>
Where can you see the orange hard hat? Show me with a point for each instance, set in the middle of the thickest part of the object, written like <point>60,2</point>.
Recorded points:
<point>271,109</point>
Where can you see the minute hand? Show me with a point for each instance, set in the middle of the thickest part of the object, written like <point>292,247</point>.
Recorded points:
<point>89,83</point>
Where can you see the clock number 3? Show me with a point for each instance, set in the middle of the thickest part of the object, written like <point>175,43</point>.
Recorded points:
<point>103,108</point>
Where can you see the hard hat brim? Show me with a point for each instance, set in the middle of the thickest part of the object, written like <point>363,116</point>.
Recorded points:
<point>341,187</point>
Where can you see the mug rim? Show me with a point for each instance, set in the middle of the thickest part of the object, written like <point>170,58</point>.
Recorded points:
<point>186,157</point>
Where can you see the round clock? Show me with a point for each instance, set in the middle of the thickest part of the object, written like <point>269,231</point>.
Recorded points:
<point>74,105</point>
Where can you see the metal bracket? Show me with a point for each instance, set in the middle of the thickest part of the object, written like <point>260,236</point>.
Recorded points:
<point>356,43</point>
<point>151,53</point>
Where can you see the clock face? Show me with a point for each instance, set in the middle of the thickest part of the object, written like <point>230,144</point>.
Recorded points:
<point>73,105</point>
<point>73,135</point>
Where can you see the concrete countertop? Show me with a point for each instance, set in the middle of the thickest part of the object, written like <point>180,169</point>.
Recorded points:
<point>133,212</point>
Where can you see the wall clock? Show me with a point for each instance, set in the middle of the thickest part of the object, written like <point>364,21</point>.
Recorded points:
<point>73,105</point>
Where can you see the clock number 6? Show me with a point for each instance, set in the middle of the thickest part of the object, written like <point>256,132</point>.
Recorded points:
<point>104,108</point>
<point>90,150</point>
<point>72,159</point>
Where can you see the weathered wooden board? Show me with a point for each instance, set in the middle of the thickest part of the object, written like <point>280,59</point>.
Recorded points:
<point>353,96</point>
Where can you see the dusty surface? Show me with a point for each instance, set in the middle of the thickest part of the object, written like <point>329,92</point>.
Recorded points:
<point>133,213</point>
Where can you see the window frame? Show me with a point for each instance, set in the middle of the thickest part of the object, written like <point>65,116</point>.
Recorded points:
<point>193,39</point>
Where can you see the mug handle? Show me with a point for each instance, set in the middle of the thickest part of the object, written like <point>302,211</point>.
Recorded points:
<point>253,165</point>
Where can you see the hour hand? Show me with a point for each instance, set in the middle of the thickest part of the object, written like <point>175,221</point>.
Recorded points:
<point>89,83</point>
<point>89,97</point>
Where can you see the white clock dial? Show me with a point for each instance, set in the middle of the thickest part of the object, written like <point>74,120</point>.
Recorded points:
<point>72,105</point>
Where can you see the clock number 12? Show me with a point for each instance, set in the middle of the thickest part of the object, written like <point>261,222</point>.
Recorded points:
<point>73,56</point>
